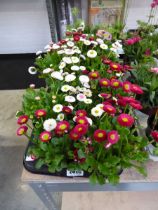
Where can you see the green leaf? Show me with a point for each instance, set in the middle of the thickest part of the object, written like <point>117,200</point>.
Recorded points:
<point>81,154</point>
<point>43,146</point>
<point>114,179</point>
<point>19,113</point>
<point>101,179</point>
<point>39,163</point>
<point>93,178</point>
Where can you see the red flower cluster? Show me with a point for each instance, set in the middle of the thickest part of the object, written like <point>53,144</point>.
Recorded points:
<point>154,134</point>
<point>132,40</point>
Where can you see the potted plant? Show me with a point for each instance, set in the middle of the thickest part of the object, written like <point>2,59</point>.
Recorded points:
<point>83,120</point>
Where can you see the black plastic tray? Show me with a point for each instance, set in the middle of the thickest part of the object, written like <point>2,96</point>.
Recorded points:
<point>30,166</point>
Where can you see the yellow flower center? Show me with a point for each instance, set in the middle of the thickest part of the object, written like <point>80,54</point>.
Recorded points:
<point>112,136</point>
<point>115,66</point>
<point>126,86</point>
<point>125,119</point>
<point>23,120</point>
<point>80,129</point>
<point>100,135</point>
<point>21,131</point>
<point>115,84</point>
<point>45,137</point>
<point>81,121</point>
<point>94,75</point>
<point>63,127</point>
<point>40,113</point>
<point>105,83</point>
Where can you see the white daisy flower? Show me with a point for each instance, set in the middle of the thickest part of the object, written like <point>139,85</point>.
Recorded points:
<point>47,70</point>
<point>64,46</point>
<point>100,106</point>
<point>39,52</point>
<point>60,117</point>
<point>86,85</point>
<point>69,52</point>
<point>67,60</point>
<point>87,42</point>
<point>37,98</point>
<point>94,43</point>
<point>72,89</point>
<point>88,101</point>
<point>70,99</point>
<point>83,57</point>
<point>58,108</point>
<point>100,41</point>
<point>32,70</point>
<point>82,68</point>
<point>75,68</point>
<point>70,77</point>
<point>84,79</point>
<point>60,52</point>
<point>71,107</point>
<point>75,59</point>
<point>62,65</point>
<point>88,93</point>
<point>91,53</point>
<point>70,44</point>
<point>49,124</point>
<point>96,112</point>
<point>57,75</point>
<point>77,51</point>
<point>89,120</point>
<point>81,97</point>
<point>104,46</point>
<point>65,88</point>
<point>55,46</point>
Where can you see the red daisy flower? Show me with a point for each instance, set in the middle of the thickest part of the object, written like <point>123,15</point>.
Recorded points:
<point>109,109</point>
<point>122,102</point>
<point>74,136</point>
<point>40,113</point>
<point>113,137</point>
<point>45,136</point>
<point>136,105</point>
<point>81,129</point>
<point>81,113</point>
<point>63,126</point>
<point>67,110</point>
<point>115,66</point>
<point>22,119</point>
<point>63,41</point>
<point>126,86</point>
<point>85,72</point>
<point>105,95</point>
<point>125,120</point>
<point>82,120</point>
<point>104,82</point>
<point>99,135</point>
<point>94,75</point>
<point>76,38</point>
<point>106,61</point>
<point>154,134</point>
<point>115,83</point>
<point>22,130</point>
<point>136,89</point>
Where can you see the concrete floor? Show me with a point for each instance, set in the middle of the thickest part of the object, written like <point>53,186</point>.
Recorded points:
<point>14,195</point>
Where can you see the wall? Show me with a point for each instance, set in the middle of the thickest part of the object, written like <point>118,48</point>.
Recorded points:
<point>24,26</point>
<point>139,10</point>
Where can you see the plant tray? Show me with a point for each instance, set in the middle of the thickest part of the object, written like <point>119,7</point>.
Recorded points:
<point>30,163</point>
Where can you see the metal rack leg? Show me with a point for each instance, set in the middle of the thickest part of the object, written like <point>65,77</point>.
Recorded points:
<point>45,196</point>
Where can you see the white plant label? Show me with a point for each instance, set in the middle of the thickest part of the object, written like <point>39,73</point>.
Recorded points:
<point>74,173</point>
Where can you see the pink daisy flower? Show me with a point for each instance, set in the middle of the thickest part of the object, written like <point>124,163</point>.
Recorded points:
<point>104,82</point>
<point>40,113</point>
<point>63,126</point>
<point>80,129</point>
<point>109,109</point>
<point>136,89</point>
<point>99,135</point>
<point>81,113</point>
<point>22,130</point>
<point>125,120</point>
<point>126,86</point>
<point>45,136</point>
<point>94,75</point>
<point>22,119</point>
<point>113,137</point>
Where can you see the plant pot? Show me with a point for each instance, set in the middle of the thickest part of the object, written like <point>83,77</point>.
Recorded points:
<point>150,148</point>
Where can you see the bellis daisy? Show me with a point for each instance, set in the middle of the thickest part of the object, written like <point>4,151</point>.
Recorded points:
<point>22,119</point>
<point>96,112</point>
<point>99,135</point>
<point>57,108</point>
<point>49,124</point>
<point>22,130</point>
<point>91,53</point>
<point>125,120</point>
<point>45,136</point>
<point>70,99</point>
